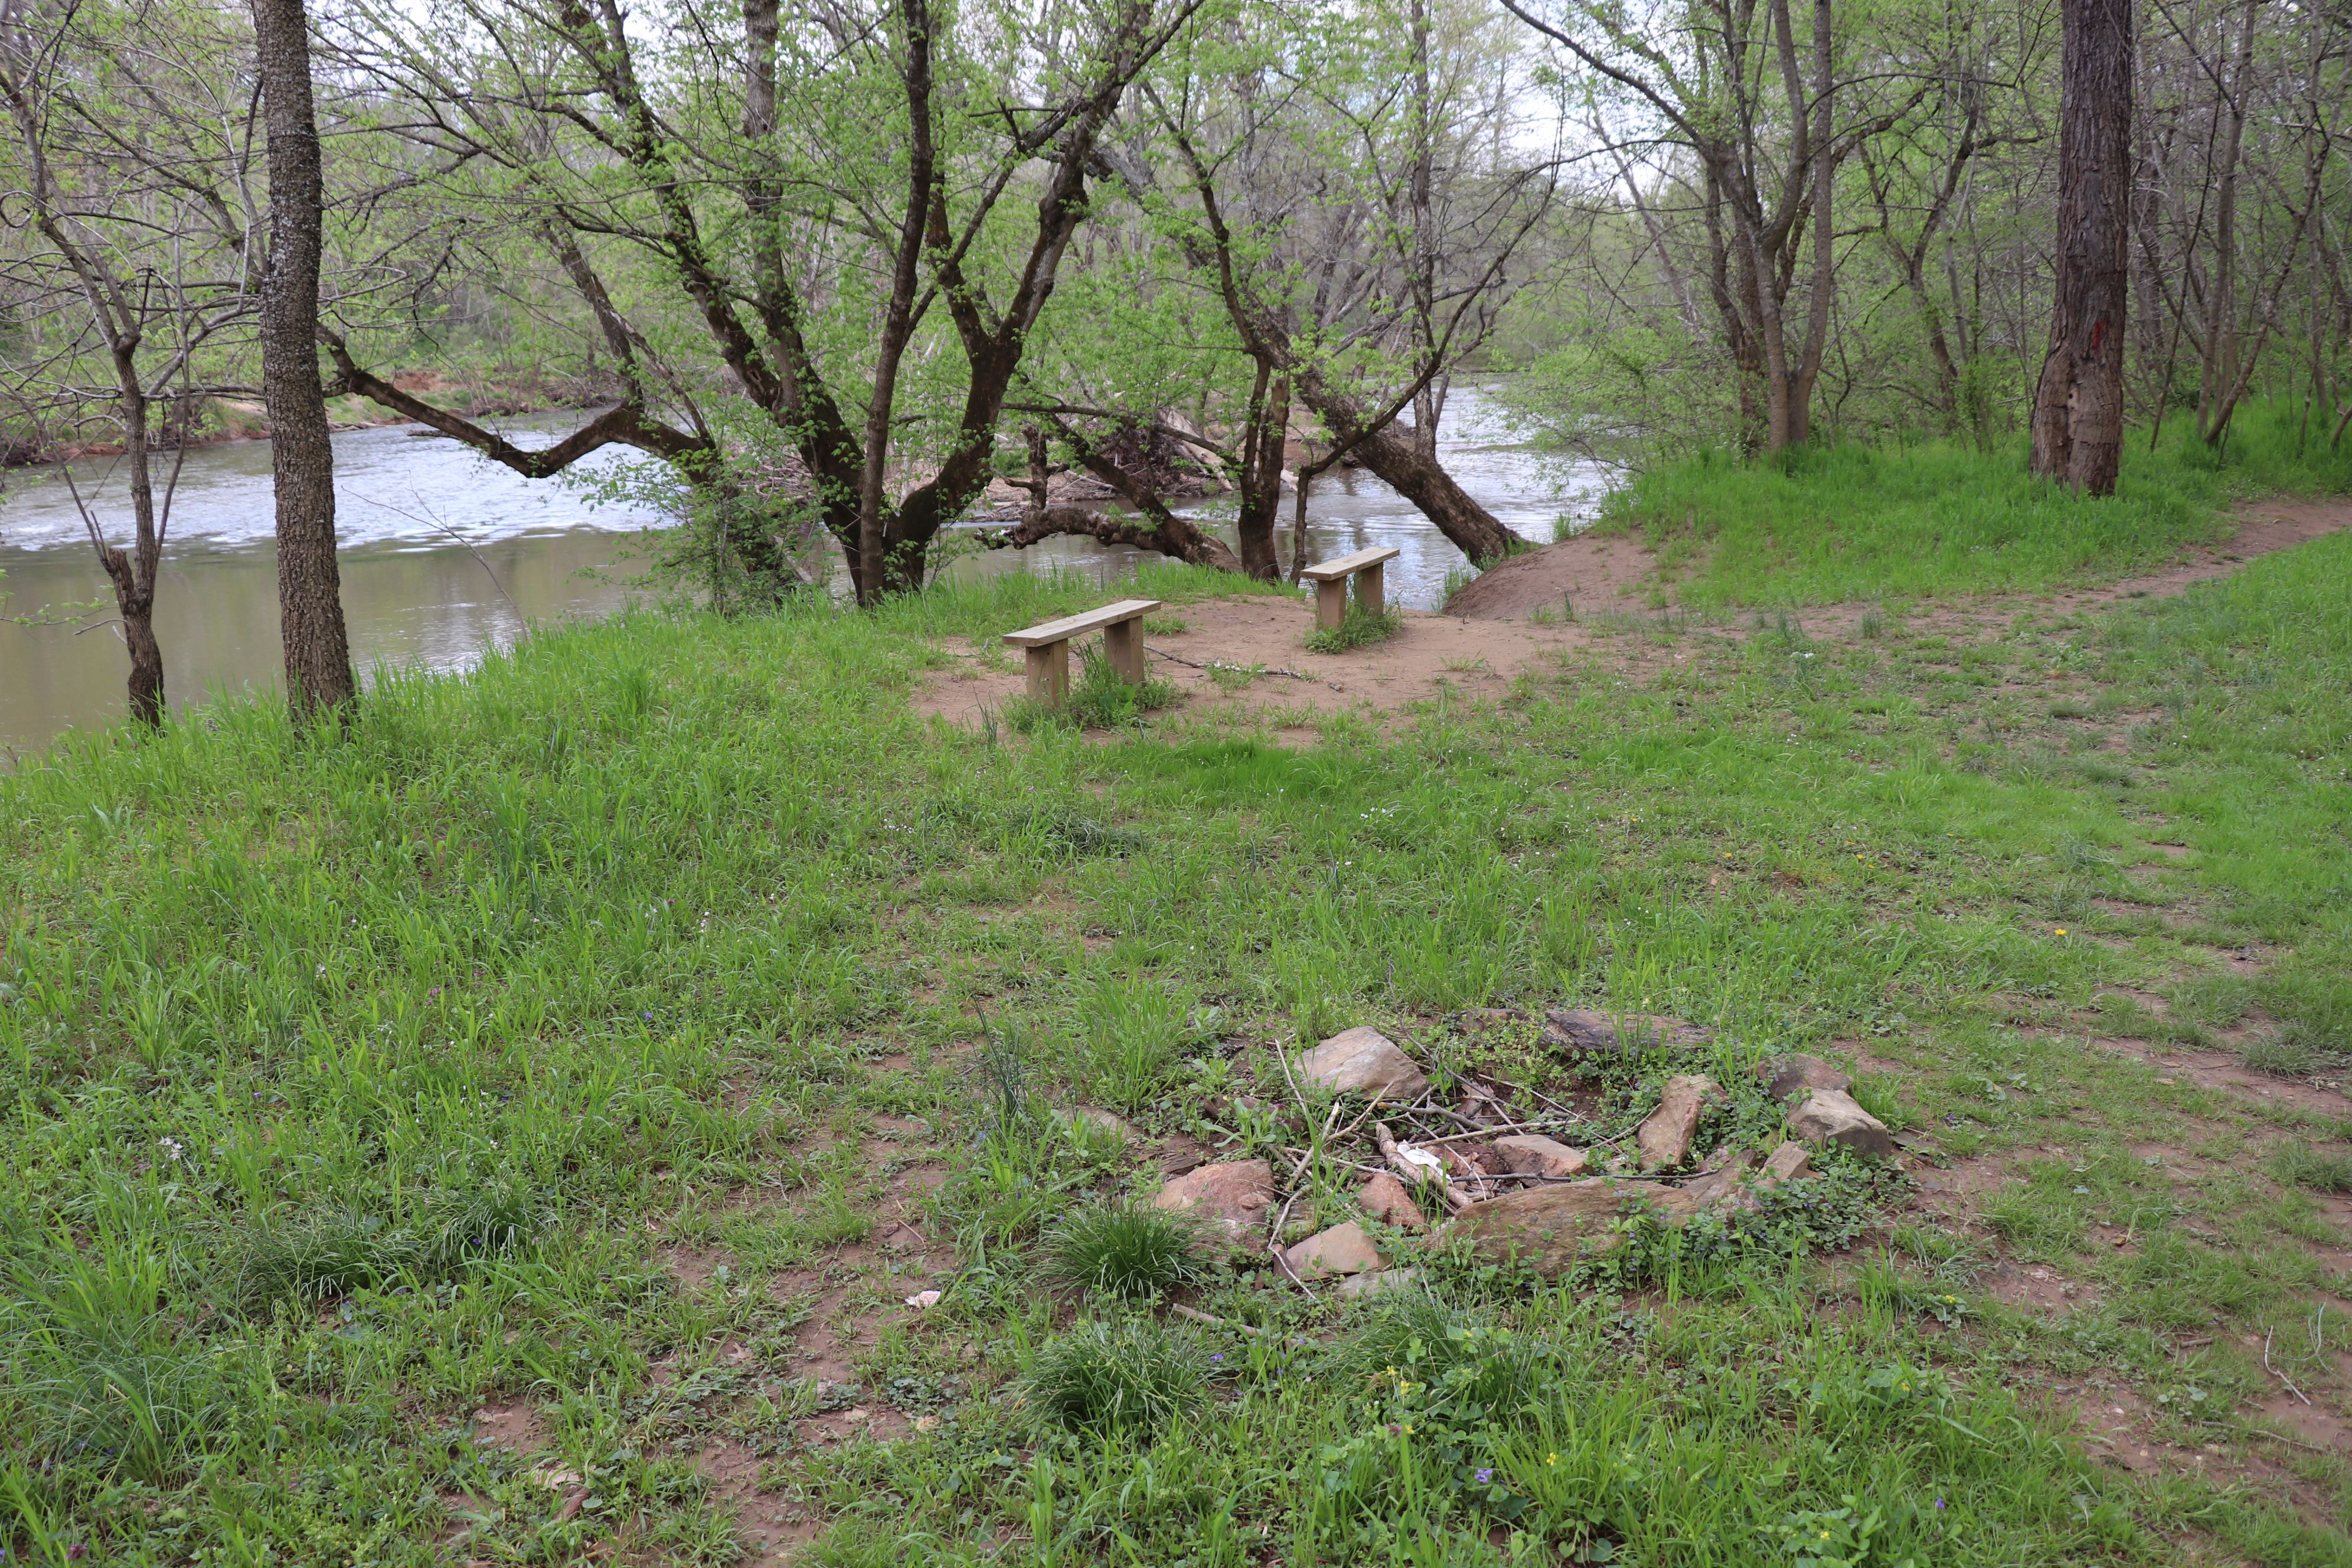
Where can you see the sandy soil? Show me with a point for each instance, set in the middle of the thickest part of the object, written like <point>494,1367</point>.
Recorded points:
<point>1487,634</point>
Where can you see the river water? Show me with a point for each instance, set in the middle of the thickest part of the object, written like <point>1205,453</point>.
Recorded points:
<point>445,556</point>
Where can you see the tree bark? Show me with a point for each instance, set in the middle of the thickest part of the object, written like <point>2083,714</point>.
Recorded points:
<point>301,453</point>
<point>2078,408</point>
<point>1398,462</point>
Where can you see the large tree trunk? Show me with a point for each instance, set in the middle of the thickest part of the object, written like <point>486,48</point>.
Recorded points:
<point>2078,408</point>
<point>1392,457</point>
<point>301,454</point>
<point>1260,477</point>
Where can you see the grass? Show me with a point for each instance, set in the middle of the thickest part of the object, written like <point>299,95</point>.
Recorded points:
<point>1358,628</point>
<point>1099,699</point>
<point>1844,522</point>
<point>1125,1250</point>
<point>584,1034</point>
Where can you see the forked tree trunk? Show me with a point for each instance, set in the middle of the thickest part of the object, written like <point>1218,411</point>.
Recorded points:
<point>301,453</point>
<point>2078,408</point>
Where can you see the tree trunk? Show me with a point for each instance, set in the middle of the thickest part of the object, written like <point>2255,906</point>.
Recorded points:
<point>2078,408</point>
<point>1422,480</point>
<point>301,453</point>
<point>2220,371</point>
<point>1261,474</point>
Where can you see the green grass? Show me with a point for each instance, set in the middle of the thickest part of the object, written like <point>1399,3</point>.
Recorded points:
<point>1819,525</point>
<point>555,1038</point>
<point>1356,628</point>
<point>1125,1250</point>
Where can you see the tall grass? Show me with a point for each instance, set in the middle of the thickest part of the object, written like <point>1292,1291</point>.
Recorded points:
<point>1820,524</point>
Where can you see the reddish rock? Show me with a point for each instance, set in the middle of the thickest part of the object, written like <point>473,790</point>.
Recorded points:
<point>1793,1076</point>
<point>1529,1155</point>
<point>1831,1116</point>
<point>1232,1197</point>
<point>1790,1163</point>
<point>1727,1182</point>
<point>1550,1227</point>
<point>1364,1061</point>
<point>1344,1248</point>
<point>1664,1138</point>
<point>1383,1197</point>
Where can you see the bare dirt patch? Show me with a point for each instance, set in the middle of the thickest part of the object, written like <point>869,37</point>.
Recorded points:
<point>1431,654</point>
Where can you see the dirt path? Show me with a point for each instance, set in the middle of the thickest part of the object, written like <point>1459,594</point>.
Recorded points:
<point>1511,620</point>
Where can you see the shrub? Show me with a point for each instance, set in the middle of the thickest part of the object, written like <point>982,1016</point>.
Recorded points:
<point>1129,1377</point>
<point>1125,1251</point>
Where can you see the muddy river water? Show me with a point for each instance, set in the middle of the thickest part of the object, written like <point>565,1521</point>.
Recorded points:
<point>445,556</point>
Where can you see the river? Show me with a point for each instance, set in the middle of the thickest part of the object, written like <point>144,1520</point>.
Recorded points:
<point>445,556</point>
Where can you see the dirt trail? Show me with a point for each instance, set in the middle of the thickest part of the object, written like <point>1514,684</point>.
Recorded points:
<point>1489,633</point>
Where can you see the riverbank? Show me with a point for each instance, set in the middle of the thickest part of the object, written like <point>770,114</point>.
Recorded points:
<point>228,421</point>
<point>533,1123</point>
<point>1853,523</point>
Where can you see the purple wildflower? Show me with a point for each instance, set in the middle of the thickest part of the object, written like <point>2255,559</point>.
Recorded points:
<point>1486,1476</point>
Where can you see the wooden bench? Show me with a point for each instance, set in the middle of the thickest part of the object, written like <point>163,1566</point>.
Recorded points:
<point>1330,580</point>
<point>1048,646</point>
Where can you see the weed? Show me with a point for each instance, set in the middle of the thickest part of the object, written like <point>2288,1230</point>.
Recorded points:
<point>1130,1376</point>
<point>2308,1165</point>
<point>1164,626</point>
<point>1358,627</point>
<point>1099,699</point>
<point>1125,1250</point>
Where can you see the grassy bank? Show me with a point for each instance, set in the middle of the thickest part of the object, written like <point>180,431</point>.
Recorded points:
<point>1844,522</point>
<point>554,1040</point>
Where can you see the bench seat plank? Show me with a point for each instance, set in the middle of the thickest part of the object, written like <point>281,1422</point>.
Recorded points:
<point>1069,626</point>
<point>1349,565</point>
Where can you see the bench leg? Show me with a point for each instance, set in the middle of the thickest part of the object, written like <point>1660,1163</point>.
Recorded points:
<point>1372,594</point>
<point>1123,644</point>
<point>1049,673</point>
<point>1331,604</point>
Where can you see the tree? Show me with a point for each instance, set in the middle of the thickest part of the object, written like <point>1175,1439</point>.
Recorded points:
<point>2078,408</point>
<point>1337,191</point>
<point>817,211</point>
<point>301,449</point>
<point>126,175</point>
<point>1757,105</point>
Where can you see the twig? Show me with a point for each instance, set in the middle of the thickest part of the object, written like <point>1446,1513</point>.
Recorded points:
<point>1239,668</point>
<point>2241,1427</point>
<point>1211,1319</point>
<point>1490,1132</point>
<point>2274,1372</point>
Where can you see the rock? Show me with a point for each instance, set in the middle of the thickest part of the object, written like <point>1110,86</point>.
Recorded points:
<point>1380,1281</point>
<point>1526,1154</point>
<point>1342,1249</point>
<point>1729,1181</point>
<point>1232,1197</point>
<point>1791,1076</point>
<point>1579,1031</point>
<point>1830,1115</point>
<point>1551,1227</point>
<point>1790,1163</point>
<point>1364,1061</point>
<point>1091,1118</point>
<point>923,1299</point>
<point>1664,1138</point>
<point>1383,1197</point>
